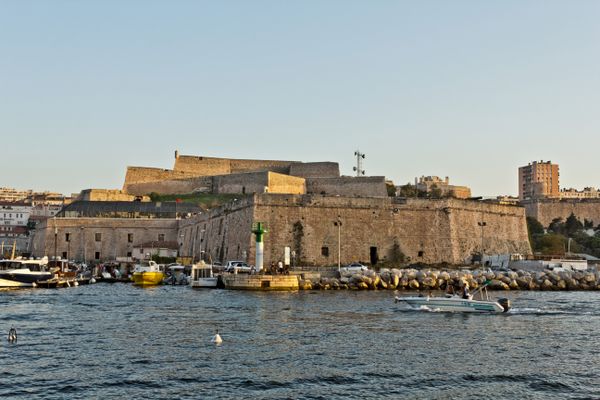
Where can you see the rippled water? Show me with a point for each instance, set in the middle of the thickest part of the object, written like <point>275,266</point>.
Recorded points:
<point>119,341</point>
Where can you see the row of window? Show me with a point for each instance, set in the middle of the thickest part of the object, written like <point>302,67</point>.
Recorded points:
<point>65,255</point>
<point>16,215</point>
<point>98,237</point>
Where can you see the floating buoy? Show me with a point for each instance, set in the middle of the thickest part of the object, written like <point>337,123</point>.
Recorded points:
<point>217,338</point>
<point>12,335</point>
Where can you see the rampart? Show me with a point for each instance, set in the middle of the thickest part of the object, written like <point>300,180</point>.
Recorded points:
<point>367,186</point>
<point>206,166</point>
<point>546,210</point>
<point>109,195</point>
<point>316,170</point>
<point>137,175</point>
<point>371,230</point>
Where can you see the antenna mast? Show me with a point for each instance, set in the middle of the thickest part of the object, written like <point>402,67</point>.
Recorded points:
<point>359,160</point>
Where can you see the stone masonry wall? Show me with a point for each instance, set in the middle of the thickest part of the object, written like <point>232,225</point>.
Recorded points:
<point>316,170</point>
<point>137,175</point>
<point>368,186</point>
<point>428,231</point>
<point>205,166</point>
<point>546,210</point>
<point>114,235</point>
<point>173,186</point>
<point>286,184</point>
<point>220,234</point>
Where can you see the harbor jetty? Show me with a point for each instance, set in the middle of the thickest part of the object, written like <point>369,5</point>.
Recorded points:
<point>433,279</point>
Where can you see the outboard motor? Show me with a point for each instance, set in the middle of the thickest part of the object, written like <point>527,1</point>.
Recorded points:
<point>505,303</point>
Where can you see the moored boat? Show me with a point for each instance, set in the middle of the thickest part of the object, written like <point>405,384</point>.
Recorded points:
<point>23,272</point>
<point>202,276</point>
<point>147,274</point>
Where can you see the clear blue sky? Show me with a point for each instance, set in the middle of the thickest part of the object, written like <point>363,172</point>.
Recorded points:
<point>466,89</point>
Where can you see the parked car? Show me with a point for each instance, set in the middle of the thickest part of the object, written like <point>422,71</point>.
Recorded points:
<point>354,267</point>
<point>239,266</point>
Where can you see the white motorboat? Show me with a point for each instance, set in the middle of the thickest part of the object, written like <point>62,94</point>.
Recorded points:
<point>202,276</point>
<point>23,273</point>
<point>455,303</point>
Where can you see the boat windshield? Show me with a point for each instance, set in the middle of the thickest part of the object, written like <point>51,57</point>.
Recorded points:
<point>6,265</point>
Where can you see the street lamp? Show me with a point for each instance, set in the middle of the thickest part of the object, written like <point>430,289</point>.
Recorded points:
<point>482,224</point>
<point>55,239</point>
<point>338,223</point>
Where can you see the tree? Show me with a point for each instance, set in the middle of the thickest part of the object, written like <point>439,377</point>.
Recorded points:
<point>550,244</point>
<point>435,192</point>
<point>572,225</point>
<point>391,189</point>
<point>408,190</point>
<point>588,224</point>
<point>557,225</point>
<point>534,227</point>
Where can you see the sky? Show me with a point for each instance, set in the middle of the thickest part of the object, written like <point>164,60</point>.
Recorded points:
<point>466,89</point>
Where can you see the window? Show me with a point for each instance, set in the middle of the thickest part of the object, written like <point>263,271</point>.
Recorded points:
<point>98,237</point>
<point>97,255</point>
<point>325,251</point>
<point>161,237</point>
<point>67,237</point>
<point>64,255</point>
<point>421,253</point>
<point>128,254</point>
<point>130,238</point>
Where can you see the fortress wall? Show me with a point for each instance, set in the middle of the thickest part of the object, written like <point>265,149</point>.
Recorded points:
<point>546,210</point>
<point>369,186</point>
<point>221,234</point>
<point>174,186</point>
<point>282,167</point>
<point>108,195</point>
<point>136,175</point>
<point>316,170</point>
<point>428,231</point>
<point>252,182</point>
<point>279,183</point>
<point>114,236</point>
<point>203,166</point>
<point>208,166</point>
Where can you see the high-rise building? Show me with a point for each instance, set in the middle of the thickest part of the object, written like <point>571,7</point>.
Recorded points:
<point>538,179</point>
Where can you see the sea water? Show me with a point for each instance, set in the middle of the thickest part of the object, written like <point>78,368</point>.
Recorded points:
<point>111,341</point>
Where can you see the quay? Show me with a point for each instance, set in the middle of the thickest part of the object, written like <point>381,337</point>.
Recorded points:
<point>260,282</point>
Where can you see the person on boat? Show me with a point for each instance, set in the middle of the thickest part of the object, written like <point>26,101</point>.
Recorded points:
<point>273,269</point>
<point>449,288</point>
<point>280,267</point>
<point>466,295</point>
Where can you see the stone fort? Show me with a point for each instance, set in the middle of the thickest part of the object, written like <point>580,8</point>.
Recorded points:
<point>307,207</point>
<point>224,175</point>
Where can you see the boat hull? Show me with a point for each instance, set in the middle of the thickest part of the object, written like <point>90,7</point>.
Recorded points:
<point>205,283</point>
<point>147,278</point>
<point>22,278</point>
<point>452,304</point>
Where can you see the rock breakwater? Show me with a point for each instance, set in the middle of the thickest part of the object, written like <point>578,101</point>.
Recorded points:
<point>412,279</point>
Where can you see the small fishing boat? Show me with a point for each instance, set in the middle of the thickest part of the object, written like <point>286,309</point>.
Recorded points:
<point>455,303</point>
<point>202,276</point>
<point>147,273</point>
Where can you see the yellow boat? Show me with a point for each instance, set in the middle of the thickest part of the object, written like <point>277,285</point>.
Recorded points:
<point>147,274</point>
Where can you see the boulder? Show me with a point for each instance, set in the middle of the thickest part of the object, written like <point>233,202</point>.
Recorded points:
<point>496,284</point>
<point>513,284</point>
<point>362,286</point>
<point>561,285</point>
<point>547,285</point>
<point>413,284</point>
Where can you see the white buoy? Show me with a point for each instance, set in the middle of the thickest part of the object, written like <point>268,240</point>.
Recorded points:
<point>12,335</point>
<point>217,338</point>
